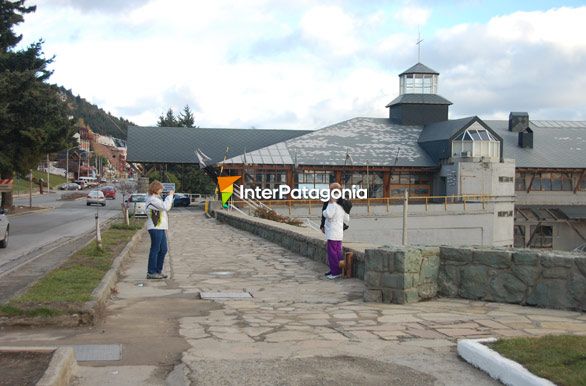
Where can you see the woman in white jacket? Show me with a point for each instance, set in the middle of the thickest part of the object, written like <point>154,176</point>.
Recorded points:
<point>334,230</point>
<point>157,225</point>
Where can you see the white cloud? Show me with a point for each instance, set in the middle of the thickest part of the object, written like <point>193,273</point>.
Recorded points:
<point>291,64</point>
<point>331,26</point>
<point>413,16</point>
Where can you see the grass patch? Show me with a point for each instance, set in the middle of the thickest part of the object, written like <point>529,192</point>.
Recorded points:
<point>21,185</point>
<point>561,358</point>
<point>65,289</point>
<point>135,224</point>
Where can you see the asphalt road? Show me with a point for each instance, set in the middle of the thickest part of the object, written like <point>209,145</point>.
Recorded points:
<point>59,222</point>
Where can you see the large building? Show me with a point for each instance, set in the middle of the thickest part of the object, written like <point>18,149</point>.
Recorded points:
<point>532,172</point>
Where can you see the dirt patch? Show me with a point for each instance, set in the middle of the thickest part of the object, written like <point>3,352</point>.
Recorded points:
<point>23,368</point>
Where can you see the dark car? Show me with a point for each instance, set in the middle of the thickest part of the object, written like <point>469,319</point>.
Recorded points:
<point>109,192</point>
<point>181,199</point>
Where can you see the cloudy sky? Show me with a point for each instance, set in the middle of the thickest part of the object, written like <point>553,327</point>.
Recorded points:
<point>300,64</point>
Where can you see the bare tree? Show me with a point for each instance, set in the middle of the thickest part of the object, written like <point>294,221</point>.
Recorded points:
<point>126,188</point>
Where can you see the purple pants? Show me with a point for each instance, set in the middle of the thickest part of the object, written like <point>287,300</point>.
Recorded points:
<point>334,250</point>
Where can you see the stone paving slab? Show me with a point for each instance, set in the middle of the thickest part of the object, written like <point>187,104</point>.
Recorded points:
<point>296,313</point>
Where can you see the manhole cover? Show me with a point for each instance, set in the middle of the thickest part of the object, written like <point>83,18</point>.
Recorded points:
<point>225,295</point>
<point>98,352</point>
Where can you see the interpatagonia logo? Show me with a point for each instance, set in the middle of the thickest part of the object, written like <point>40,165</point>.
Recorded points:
<point>226,185</point>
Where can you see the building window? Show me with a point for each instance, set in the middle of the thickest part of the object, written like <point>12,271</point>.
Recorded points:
<point>520,182</point>
<point>265,179</point>
<point>315,179</point>
<point>519,236</point>
<point>417,184</point>
<point>541,236</point>
<point>476,142</point>
<point>418,84</point>
<point>546,181</point>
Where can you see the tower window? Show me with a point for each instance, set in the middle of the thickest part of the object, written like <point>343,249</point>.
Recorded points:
<point>418,84</point>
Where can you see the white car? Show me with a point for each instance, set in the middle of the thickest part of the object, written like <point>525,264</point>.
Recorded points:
<point>4,229</point>
<point>96,197</point>
<point>137,204</point>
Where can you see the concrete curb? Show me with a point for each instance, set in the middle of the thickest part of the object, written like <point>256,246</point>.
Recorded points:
<point>509,372</point>
<point>102,292</point>
<point>60,369</point>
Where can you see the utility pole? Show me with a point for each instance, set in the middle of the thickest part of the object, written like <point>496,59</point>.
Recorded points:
<point>98,233</point>
<point>48,184</point>
<point>30,190</point>
<point>405,211</point>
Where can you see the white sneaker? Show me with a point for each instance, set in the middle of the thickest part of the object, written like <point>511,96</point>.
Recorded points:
<point>332,277</point>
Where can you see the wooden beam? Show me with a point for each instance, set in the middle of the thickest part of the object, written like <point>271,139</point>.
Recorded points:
<point>577,187</point>
<point>530,183</point>
<point>533,234</point>
<point>518,210</point>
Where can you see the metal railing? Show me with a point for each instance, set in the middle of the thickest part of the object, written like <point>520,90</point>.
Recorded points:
<point>451,200</point>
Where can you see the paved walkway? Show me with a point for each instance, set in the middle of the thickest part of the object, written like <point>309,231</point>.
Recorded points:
<point>297,329</point>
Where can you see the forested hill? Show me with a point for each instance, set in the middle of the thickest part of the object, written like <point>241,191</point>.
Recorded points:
<point>98,120</point>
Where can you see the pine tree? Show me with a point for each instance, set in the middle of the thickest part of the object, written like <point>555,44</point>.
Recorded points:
<point>186,118</point>
<point>168,120</point>
<point>33,117</point>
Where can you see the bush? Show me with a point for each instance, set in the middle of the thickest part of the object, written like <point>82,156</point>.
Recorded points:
<point>270,214</point>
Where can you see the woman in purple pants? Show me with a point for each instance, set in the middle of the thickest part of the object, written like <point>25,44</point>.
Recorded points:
<point>334,230</point>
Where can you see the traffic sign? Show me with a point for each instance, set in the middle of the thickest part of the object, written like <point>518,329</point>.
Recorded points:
<point>6,185</point>
<point>168,186</point>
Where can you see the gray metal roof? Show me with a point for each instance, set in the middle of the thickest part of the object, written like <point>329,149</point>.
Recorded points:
<point>419,68</point>
<point>178,144</point>
<point>444,130</point>
<point>419,99</point>
<point>368,141</point>
<point>556,144</point>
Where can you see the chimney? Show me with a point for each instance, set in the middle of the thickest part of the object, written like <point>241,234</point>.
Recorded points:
<point>518,122</point>
<point>526,139</point>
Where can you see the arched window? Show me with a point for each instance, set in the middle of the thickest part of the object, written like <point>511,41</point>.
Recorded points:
<point>476,141</point>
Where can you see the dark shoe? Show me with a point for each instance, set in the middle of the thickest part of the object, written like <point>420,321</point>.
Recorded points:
<point>154,276</point>
<point>163,275</point>
<point>328,273</point>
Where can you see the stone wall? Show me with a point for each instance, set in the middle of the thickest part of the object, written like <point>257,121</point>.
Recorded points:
<point>410,274</point>
<point>520,276</point>
<point>401,275</point>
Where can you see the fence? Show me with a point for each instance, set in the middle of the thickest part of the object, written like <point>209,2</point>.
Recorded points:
<point>314,206</point>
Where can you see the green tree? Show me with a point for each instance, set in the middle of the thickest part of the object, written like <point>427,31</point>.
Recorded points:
<point>186,118</point>
<point>188,178</point>
<point>33,116</point>
<point>168,120</point>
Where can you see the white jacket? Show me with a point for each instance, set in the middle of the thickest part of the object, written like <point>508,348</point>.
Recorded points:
<point>157,211</point>
<point>334,224</point>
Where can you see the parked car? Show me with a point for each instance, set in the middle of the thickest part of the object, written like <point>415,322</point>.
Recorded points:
<point>181,199</point>
<point>4,229</point>
<point>109,191</point>
<point>69,186</point>
<point>95,197</point>
<point>137,204</point>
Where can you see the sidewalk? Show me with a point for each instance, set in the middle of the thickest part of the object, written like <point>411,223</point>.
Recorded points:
<point>297,329</point>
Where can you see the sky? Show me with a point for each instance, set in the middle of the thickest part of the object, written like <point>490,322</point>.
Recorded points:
<point>300,64</point>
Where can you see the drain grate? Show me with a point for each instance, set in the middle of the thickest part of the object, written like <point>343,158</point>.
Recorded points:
<point>98,352</point>
<point>225,295</point>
